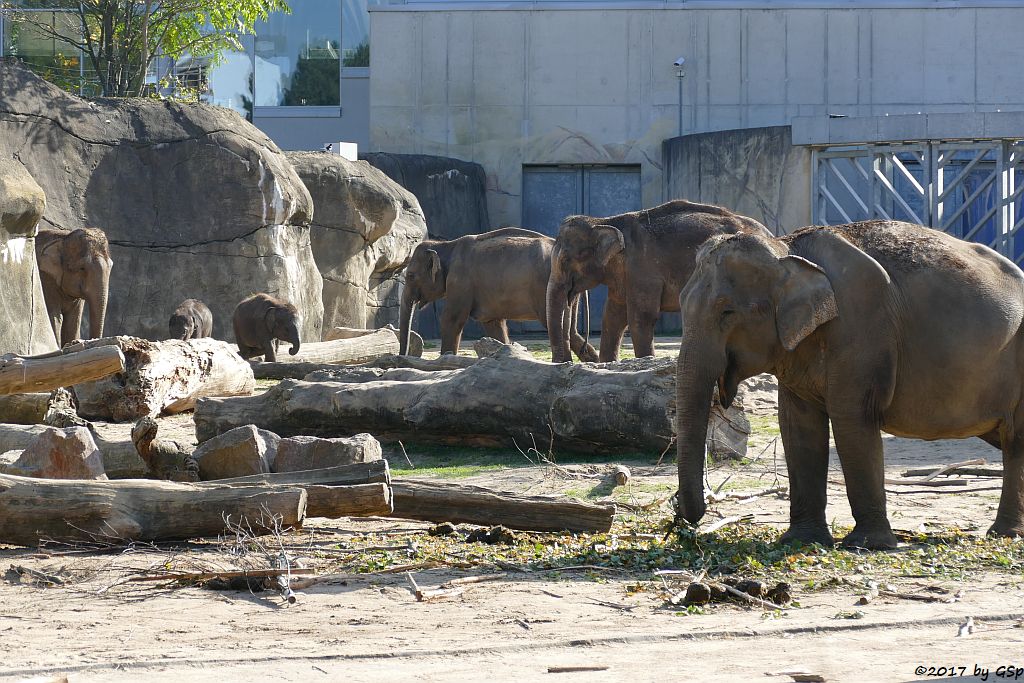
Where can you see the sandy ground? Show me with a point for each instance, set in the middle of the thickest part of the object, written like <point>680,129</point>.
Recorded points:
<point>370,627</point>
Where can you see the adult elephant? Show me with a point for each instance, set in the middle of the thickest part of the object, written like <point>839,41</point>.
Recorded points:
<point>74,270</point>
<point>497,276</point>
<point>868,326</point>
<point>644,257</point>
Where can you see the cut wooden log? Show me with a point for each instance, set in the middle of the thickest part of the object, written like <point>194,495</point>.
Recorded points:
<point>120,458</point>
<point>313,355</point>
<point>373,472</point>
<point>444,502</point>
<point>80,364</point>
<point>318,372</point>
<point>415,340</point>
<point>37,408</point>
<point>162,377</point>
<point>33,510</point>
<point>587,407</point>
<point>363,500</point>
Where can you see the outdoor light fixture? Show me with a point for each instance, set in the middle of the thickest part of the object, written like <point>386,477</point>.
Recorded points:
<point>680,66</point>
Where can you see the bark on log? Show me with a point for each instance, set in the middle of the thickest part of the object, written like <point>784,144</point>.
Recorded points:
<point>30,409</point>
<point>32,510</point>
<point>373,472</point>
<point>163,377</point>
<point>415,340</point>
<point>318,372</point>
<point>363,500</point>
<point>587,407</point>
<point>444,502</point>
<point>314,356</point>
<point>25,375</point>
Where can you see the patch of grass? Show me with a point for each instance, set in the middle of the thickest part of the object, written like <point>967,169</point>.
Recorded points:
<point>267,383</point>
<point>764,425</point>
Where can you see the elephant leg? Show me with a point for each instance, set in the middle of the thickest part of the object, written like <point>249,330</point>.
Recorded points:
<point>859,444</point>
<point>804,427</point>
<point>497,329</point>
<point>1010,515</point>
<point>641,330</point>
<point>453,320</point>
<point>613,326</point>
<point>71,325</point>
<point>268,351</point>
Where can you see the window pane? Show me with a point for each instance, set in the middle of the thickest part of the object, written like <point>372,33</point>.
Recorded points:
<point>230,83</point>
<point>34,38</point>
<point>355,35</point>
<point>298,55</point>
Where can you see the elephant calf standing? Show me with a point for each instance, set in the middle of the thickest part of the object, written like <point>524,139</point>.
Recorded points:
<point>192,319</point>
<point>645,258</point>
<point>74,269</point>
<point>260,321</point>
<point>497,276</point>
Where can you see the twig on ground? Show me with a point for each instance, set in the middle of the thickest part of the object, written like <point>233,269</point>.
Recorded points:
<point>750,598</point>
<point>407,460</point>
<point>195,577</point>
<point>926,482</point>
<point>726,522</point>
<point>945,469</point>
<point>605,603</point>
<point>575,669</point>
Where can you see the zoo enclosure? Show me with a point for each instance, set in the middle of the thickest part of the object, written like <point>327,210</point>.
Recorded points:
<point>970,189</point>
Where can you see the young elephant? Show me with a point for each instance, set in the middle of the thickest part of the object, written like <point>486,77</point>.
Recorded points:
<point>497,276</point>
<point>645,258</point>
<point>190,320</point>
<point>870,326</point>
<point>74,270</point>
<point>260,321</point>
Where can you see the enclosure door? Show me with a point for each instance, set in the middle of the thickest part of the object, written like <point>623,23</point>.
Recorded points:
<point>550,193</point>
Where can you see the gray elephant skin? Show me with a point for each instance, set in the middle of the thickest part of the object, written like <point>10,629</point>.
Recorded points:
<point>493,277</point>
<point>260,321</point>
<point>74,270</point>
<point>869,327</point>
<point>644,257</point>
<point>192,319</point>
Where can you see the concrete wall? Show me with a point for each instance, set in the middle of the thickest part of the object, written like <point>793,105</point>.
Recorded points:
<point>754,171</point>
<point>508,85</point>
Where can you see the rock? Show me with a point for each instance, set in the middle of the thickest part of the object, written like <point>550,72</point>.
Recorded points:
<point>299,453</point>
<point>782,593</point>
<point>442,529</point>
<point>24,326</point>
<point>59,454</point>
<point>752,587</point>
<point>364,229</point>
<point>488,346</point>
<point>237,453</point>
<point>187,194</point>
<point>493,536</point>
<point>697,594</point>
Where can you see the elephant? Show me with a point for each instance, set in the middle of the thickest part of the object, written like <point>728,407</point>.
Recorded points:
<point>192,319</point>
<point>644,257</point>
<point>74,270</point>
<point>869,327</point>
<point>493,277</point>
<point>260,321</point>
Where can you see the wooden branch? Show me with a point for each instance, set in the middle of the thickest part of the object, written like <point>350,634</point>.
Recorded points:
<point>195,577</point>
<point>32,510</point>
<point>750,598</point>
<point>24,375</point>
<point>926,482</point>
<point>726,521</point>
<point>576,669</point>
<point>965,467</point>
<point>444,502</point>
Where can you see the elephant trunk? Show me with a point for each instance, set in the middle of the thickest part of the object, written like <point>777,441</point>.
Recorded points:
<point>405,322</point>
<point>695,381</point>
<point>97,302</point>
<point>293,338</point>
<point>558,312</point>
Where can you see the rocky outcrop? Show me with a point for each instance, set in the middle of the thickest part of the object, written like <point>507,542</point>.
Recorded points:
<point>59,454</point>
<point>24,327</point>
<point>451,192</point>
<point>195,201</point>
<point>364,229</point>
<point>237,453</point>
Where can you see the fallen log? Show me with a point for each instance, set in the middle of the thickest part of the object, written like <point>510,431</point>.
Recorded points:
<point>81,364</point>
<point>373,472</point>
<point>120,459</point>
<point>415,340</point>
<point>970,467</point>
<point>33,510</point>
<point>162,377</point>
<point>313,356</point>
<point>363,500</point>
<point>588,407</point>
<point>35,408</point>
<point>443,502</point>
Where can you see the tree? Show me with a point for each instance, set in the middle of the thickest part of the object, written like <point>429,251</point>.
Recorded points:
<point>121,38</point>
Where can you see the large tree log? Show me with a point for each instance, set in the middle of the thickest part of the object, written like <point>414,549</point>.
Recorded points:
<point>373,472</point>
<point>36,408</point>
<point>415,340</point>
<point>314,355</point>
<point>25,375</point>
<point>587,407</point>
<point>32,510</point>
<point>163,377</point>
<point>444,502</point>
<point>335,372</point>
<point>363,500</point>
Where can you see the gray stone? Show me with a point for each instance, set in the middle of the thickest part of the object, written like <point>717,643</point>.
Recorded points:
<point>24,327</point>
<point>58,454</point>
<point>364,229</point>
<point>236,453</point>
<point>195,201</point>
<point>299,453</point>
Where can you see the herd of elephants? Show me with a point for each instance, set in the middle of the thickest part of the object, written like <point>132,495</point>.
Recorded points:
<point>870,326</point>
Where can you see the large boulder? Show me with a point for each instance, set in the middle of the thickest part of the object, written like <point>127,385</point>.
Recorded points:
<point>299,453</point>
<point>24,326</point>
<point>365,227</point>
<point>196,202</point>
<point>237,452</point>
<point>58,454</point>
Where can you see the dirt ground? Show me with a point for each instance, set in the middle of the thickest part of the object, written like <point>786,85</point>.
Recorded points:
<point>365,626</point>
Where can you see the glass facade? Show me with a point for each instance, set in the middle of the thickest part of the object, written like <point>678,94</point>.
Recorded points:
<point>298,56</point>
<point>33,37</point>
<point>355,32</point>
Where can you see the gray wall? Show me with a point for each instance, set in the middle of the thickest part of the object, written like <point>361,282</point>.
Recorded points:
<point>512,84</point>
<point>754,171</point>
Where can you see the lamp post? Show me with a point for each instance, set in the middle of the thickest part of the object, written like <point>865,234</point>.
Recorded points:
<point>680,65</point>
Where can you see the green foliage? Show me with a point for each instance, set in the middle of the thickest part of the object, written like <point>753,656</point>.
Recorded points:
<point>360,56</point>
<point>315,82</point>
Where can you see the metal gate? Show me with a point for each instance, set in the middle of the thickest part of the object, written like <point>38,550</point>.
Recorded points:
<point>968,189</point>
<point>550,193</point>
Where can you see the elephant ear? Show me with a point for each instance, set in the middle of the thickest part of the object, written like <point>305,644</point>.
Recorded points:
<point>271,319</point>
<point>807,301</point>
<point>435,264</point>
<point>50,259</point>
<point>609,242</point>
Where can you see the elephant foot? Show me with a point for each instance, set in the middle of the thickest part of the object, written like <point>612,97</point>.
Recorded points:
<point>1007,529</point>
<point>878,538</point>
<point>806,534</point>
<point>588,355</point>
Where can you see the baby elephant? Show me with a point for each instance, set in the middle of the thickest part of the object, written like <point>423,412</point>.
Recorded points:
<point>260,321</point>
<point>190,320</point>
